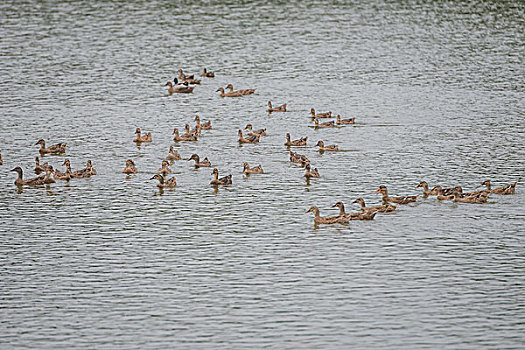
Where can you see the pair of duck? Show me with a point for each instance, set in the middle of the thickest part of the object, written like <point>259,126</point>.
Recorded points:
<point>233,93</point>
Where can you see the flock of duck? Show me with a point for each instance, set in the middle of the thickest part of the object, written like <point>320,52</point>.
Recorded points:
<point>183,83</point>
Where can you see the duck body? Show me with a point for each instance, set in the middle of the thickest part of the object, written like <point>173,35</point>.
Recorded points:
<point>322,147</point>
<point>207,74</point>
<point>178,138</point>
<point>226,180</point>
<point>36,181</point>
<point>318,219</point>
<point>320,115</point>
<point>255,170</point>
<point>298,142</point>
<point>179,88</point>
<point>311,173</point>
<point>281,108</point>
<point>242,92</point>
<point>508,189</point>
<point>229,94</point>
<point>473,199</point>
<point>163,183</point>
<point>59,148</point>
<point>340,121</point>
<point>365,215</point>
<point>385,208</point>
<point>198,164</point>
<point>254,138</point>
<point>397,200</point>
<point>261,132</point>
<point>318,124</point>
<point>142,138</point>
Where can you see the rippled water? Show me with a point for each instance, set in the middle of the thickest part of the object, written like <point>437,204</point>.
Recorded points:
<point>437,89</point>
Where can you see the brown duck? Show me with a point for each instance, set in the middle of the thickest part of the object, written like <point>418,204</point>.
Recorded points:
<point>399,200</point>
<point>163,183</point>
<point>254,138</point>
<point>35,181</point>
<point>326,219</point>
<point>226,180</point>
<point>298,142</point>
<point>281,108</point>
<point>178,138</point>
<point>207,74</point>
<point>508,189</point>
<point>426,190</point>
<point>130,167</point>
<point>229,94</point>
<point>261,132</point>
<point>40,168</point>
<point>173,154</point>
<point>255,170</point>
<point>59,148</point>
<point>322,147</point>
<point>203,126</point>
<point>365,215</point>
<point>243,91</point>
<point>385,208</point>
<point>142,138</point>
<point>329,124</point>
<point>320,115</point>
<point>310,173</point>
<point>340,121</point>
<point>198,164</point>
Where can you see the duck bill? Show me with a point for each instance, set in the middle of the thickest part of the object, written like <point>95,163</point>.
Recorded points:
<point>378,191</point>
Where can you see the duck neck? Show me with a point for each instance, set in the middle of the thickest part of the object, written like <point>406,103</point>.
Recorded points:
<point>489,187</point>
<point>342,210</point>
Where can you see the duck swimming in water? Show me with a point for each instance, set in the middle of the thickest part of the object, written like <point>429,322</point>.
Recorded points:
<point>255,170</point>
<point>399,200</point>
<point>322,147</point>
<point>203,126</point>
<point>138,138</point>
<point>386,208</point>
<point>309,172</point>
<point>281,108</point>
<point>178,138</point>
<point>173,154</point>
<point>508,189</point>
<point>207,74</point>
<point>198,164</point>
<point>340,121</point>
<point>329,124</point>
<point>59,148</point>
<point>226,180</point>
<point>183,88</point>
<point>163,183</point>
<point>318,219</point>
<point>36,181</point>
<point>243,91</point>
<point>229,94</point>
<point>254,138</point>
<point>252,132</point>
<point>365,215</point>
<point>130,167</point>
<point>298,142</point>
<point>320,115</point>
<point>40,168</point>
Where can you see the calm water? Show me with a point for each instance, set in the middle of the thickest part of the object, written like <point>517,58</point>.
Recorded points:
<point>437,89</point>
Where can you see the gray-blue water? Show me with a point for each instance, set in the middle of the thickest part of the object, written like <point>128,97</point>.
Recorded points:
<point>437,89</point>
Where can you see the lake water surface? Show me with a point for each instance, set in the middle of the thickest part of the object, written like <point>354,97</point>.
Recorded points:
<point>437,89</point>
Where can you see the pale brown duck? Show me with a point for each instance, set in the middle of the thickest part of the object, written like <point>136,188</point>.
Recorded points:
<point>399,200</point>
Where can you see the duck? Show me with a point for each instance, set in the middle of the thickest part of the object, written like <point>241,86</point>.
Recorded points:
<point>261,132</point>
<point>329,124</point>
<point>326,219</point>
<point>508,189</point>
<point>440,196</point>
<point>340,121</point>
<point>320,115</point>
<point>447,191</point>
<point>77,173</point>
<point>59,148</point>
<point>179,88</point>
<point>130,167</point>
<point>178,138</point>
<point>48,177</point>
<point>183,76</point>
<point>365,215</point>
<point>473,199</point>
<point>35,181</point>
<point>139,138</point>
<point>426,191</point>
<point>226,180</point>
<point>322,147</point>
<point>40,168</point>
<point>298,142</point>
<point>399,200</point>
<point>385,208</point>
<point>89,168</point>
<point>165,168</point>
<point>254,138</point>
<point>62,176</point>
<point>243,91</point>
<point>298,158</point>
<point>173,154</point>
<point>198,164</point>
<point>229,94</point>
<point>207,74</point>
<point>255,170</point>
<point>195,132</point>
<point>203,126</point>
<point>163,183</point>
<point>281,108</point>
<point>311,173</point>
